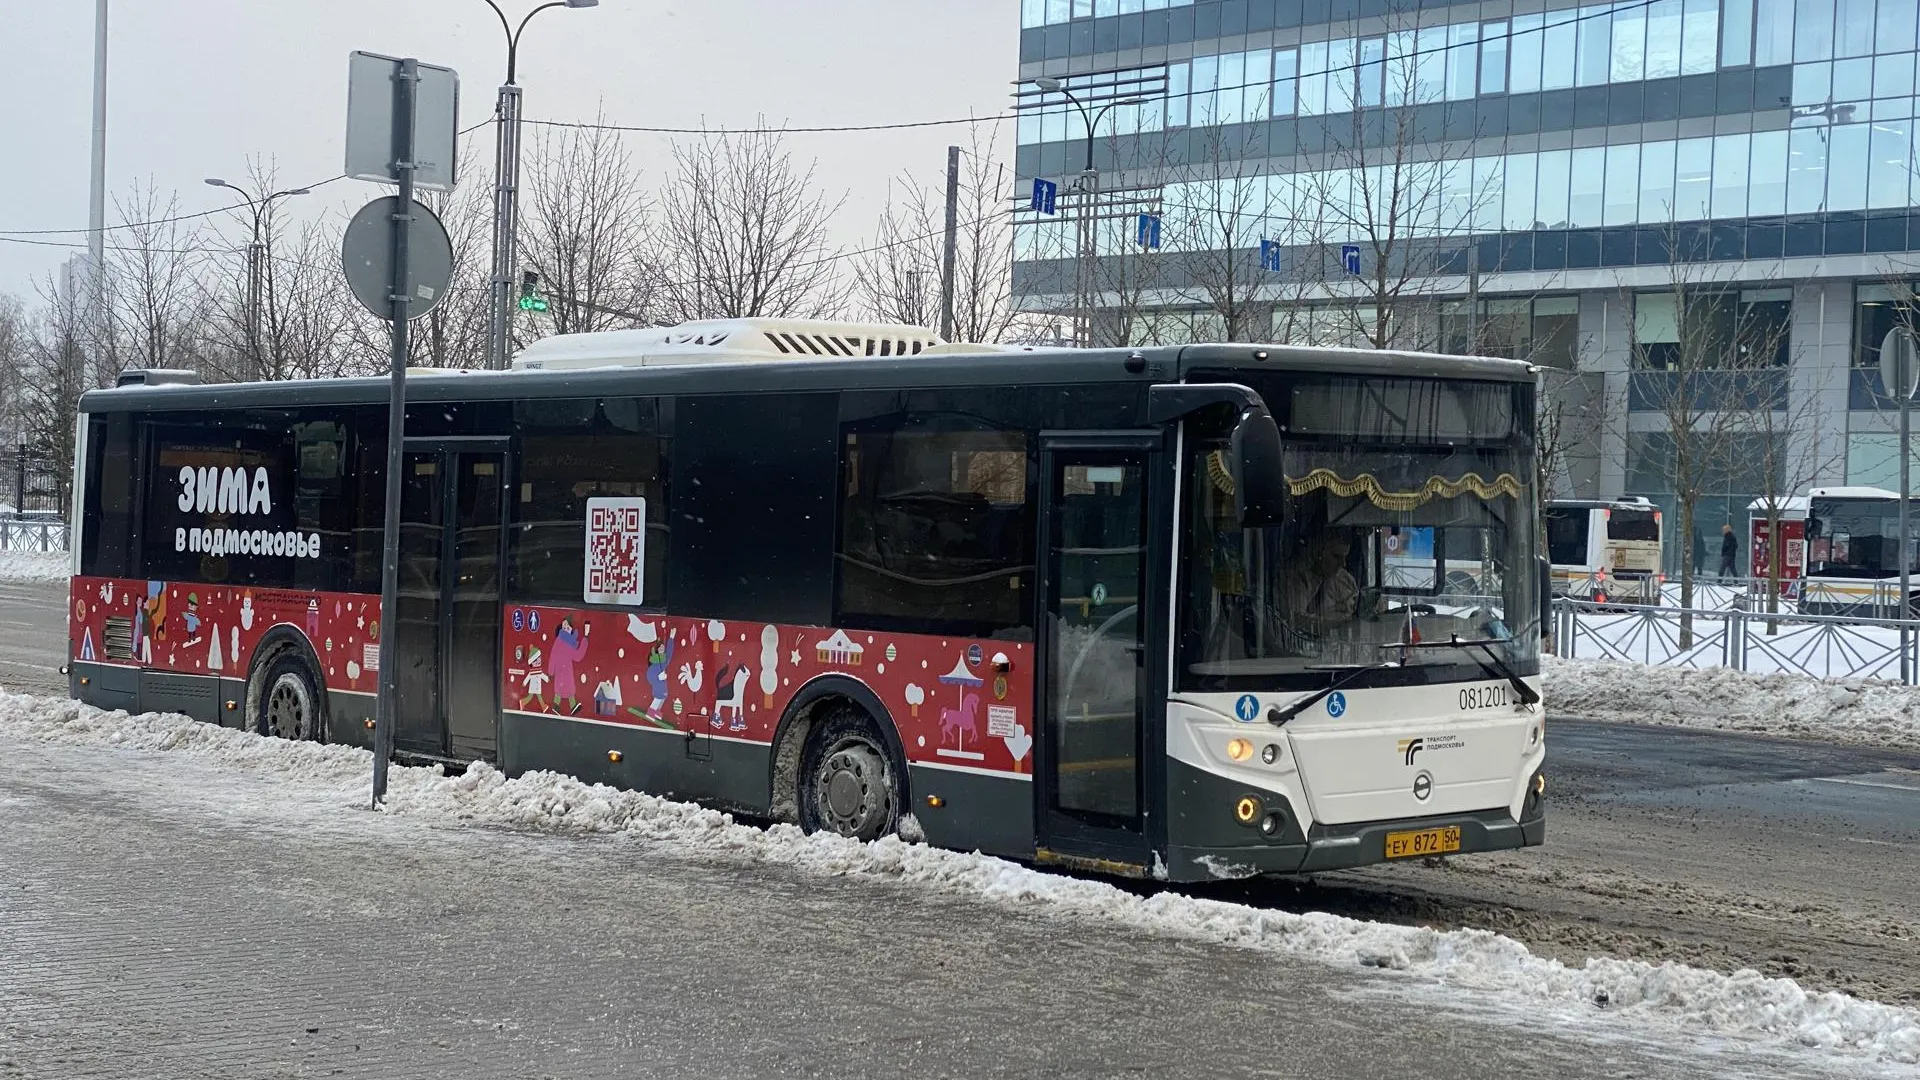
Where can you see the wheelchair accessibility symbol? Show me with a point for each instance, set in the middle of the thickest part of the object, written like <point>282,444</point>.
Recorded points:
<point>1336,704</point>
<point>1247,708</point>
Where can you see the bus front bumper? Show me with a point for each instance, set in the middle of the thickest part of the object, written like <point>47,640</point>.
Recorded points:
<point>1342,847</point>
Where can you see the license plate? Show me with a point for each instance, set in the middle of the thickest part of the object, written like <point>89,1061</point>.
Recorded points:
<point>1406,845</point>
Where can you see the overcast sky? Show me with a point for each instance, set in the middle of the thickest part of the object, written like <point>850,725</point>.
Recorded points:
<point>197,86</point>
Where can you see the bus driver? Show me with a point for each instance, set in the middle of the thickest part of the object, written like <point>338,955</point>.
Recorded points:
<point>1321,592</point>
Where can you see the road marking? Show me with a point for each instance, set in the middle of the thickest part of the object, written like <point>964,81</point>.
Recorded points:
<point>1867,783</point>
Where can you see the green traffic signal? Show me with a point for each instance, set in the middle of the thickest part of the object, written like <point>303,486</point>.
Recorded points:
<point>533,303</point>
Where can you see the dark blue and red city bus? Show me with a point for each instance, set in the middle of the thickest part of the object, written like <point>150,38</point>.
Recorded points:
<point>1123,609</point>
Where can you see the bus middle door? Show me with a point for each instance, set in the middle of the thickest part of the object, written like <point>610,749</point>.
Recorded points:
<point>451,554</point>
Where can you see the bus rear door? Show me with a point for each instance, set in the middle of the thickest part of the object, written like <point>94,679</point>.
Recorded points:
<point>451,541</point>
<point>1102,649</point>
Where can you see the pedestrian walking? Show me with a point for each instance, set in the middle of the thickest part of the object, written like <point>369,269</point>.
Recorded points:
<point>1729,551</point>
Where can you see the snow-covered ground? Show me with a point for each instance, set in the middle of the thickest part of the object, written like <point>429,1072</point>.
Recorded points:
<point>1636,996</point>
<point>35,565</point>
<point>1863,712</point>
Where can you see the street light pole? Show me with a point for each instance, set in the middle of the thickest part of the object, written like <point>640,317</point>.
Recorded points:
<point>1088,187</point>
<point>97,194</point>
<point>506,185</point>
<point>256,266</point>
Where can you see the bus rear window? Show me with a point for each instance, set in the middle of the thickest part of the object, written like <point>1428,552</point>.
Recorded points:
<point>1633,525</point>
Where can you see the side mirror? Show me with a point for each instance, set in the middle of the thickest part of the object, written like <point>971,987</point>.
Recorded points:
<point>1254,460</point>
<point>1253,449</point>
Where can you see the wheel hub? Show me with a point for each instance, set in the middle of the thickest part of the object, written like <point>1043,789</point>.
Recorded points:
<point>853,789</point>
<point>289,709</point>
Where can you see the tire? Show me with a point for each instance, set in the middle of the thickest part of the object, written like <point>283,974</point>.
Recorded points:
<point>291,706</point>
<point>850,782</point>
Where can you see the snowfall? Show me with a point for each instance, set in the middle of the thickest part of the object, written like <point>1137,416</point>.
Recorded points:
<point>1625,997</point>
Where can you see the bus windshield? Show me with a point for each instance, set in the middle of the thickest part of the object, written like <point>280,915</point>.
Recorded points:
<point>1854,539</point>
<point>1387,542</point>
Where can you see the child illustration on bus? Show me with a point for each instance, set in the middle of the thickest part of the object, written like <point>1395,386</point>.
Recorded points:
<point>152,621</point>
<point>569,647</point>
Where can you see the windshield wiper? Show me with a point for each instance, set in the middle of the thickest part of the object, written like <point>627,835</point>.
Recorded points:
<point>1279,717</point>
<point>1492,666</point>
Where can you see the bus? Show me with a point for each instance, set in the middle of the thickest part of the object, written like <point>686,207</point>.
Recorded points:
<point>1112,609</point>
<point>1605,549</point>
<point>1853,552</point>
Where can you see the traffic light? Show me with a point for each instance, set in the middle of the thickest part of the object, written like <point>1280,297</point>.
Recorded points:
<point>530,298</point>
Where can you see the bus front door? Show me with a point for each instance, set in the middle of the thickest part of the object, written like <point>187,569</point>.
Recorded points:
<point>449,605</point>
<point>1095,781</point>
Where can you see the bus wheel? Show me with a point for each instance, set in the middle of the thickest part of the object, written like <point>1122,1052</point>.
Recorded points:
<point>849,783</point>
<point>289,704</point>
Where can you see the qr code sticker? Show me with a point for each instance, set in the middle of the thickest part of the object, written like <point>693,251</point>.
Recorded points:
<point>616,550</point>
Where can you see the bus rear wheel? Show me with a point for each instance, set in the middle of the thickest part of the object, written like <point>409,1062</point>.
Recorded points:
<point>289,702</point>
<point>849,781</point>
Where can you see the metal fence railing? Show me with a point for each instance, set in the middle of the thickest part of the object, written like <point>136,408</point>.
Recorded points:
<point>24,535</point>
<point>1753,641</point>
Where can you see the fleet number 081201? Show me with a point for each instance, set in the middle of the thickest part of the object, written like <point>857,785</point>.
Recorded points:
<point>1490,696</point>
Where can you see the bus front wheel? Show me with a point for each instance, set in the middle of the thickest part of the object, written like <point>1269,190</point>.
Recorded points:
<point>289,703</point>
<point>849,781</point>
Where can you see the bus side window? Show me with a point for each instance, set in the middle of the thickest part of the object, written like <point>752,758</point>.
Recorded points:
<point>936,529</point>
<point>572,451</point>
<point>107,535</point>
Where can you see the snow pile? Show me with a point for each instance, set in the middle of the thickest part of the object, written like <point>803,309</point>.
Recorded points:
<point>1864,712</point>
<point>35,565</point>
<point>1744,1005</point>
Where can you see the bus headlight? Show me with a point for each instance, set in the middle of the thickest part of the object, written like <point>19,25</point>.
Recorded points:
<point>1270,753</point>
<point>1247,810</point>
<point>1239,749</point>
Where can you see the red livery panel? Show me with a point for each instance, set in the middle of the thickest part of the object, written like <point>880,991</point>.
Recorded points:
<point>957,702</point>
<point>194,629</point>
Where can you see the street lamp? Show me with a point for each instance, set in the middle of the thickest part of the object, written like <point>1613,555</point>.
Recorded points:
<point>1088,187</point>
<point>506,183</point>
<point>256,263</point>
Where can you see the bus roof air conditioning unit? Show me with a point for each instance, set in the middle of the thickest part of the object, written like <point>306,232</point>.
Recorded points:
<point>158,377</point>
<point>725,341</point>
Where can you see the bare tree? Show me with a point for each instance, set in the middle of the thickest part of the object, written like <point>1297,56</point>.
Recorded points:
<point>899,279</point>
<point>1219,213</point>
<point>1703,361</point>
<point>1792,451</point>
<point>13,362</point>
<point>585,225</point>
<point>147,283</point>
<point>743,233</point>
<point>58,370</point>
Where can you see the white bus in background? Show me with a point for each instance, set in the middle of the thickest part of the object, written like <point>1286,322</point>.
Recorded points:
<point>1605,549</point>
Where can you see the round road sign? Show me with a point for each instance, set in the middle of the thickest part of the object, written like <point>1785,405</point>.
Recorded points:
<point>366,254</point>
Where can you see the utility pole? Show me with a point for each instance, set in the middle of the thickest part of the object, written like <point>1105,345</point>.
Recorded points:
<point>97,196</point>
<point>948,255</point>
<point>506,186</point>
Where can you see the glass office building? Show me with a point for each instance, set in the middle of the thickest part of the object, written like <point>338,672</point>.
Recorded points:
<point>1543,172</point>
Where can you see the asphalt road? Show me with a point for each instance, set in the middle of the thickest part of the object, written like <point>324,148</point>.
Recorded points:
<point>162,915</point>
<point>33,636</point>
